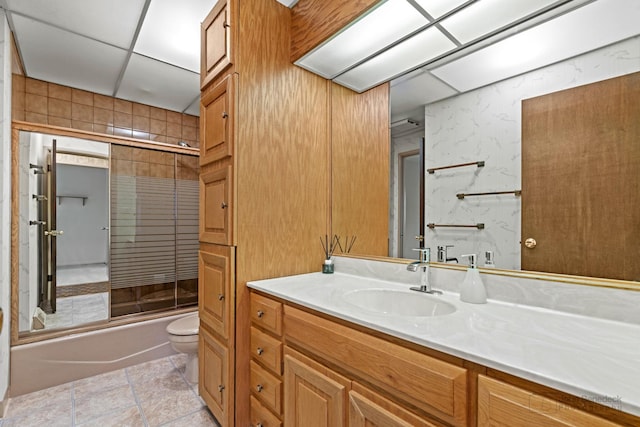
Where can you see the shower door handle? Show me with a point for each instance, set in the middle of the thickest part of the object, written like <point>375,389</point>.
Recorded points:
<point>54,233</point>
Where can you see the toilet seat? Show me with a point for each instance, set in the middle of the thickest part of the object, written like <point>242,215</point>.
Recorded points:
<point>187,326</point>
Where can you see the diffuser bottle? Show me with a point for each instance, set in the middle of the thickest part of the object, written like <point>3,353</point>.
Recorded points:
<point>472,289</point>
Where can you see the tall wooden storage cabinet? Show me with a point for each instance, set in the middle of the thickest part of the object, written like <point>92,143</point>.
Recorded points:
<point>265,182</point>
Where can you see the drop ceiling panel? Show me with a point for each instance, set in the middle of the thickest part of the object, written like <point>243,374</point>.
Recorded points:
<point>423,88</point>
<point>592,26</point>
<point>390,21</point>
<point>485,16</point>
<point>61,57</point>
<point>171,32</point>
<point>409,54</point>
<point>155,83</point>
<point>112,21</point>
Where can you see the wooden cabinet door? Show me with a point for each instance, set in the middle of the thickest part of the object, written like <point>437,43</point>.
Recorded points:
<point>217,114</point>
<point>501,404</point>
<point>215,378</point>
<point>217,37</point>
<point>368,409</point>
<point>216,207</point>
<point>215,270</point>
<point>311,397</point>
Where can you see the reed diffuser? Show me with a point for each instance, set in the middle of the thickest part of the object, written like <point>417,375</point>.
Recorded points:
<point>328,247</point>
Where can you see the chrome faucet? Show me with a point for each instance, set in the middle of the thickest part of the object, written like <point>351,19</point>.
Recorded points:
<point>423,266</point>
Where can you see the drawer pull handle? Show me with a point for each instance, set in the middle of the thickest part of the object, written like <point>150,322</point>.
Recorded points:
<point>223,205</point>
<point>220,388</point>
<point>220,297</point>
<point>225,115</point>
<point>260,313</point>
<point>260,351</point>
<point>259,387</point>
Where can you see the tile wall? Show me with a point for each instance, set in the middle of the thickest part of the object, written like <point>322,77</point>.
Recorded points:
<point>38,101</point>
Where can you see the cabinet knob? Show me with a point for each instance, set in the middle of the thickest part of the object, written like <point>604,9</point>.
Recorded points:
<point>260,313</point>
<point>225,115</point>
<point>220,388</point>
<point>223,205</point>
<point>530,243</point>
<point>259,387</point>
<point>225,25</point>
<point>259,425</point>
<point>220,297</point>
<point>260,351</point>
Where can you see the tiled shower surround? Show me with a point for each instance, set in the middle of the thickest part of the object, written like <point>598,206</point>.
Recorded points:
<point>41,102</point>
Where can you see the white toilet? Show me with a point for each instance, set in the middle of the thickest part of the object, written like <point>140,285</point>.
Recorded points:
<point>183,336</point>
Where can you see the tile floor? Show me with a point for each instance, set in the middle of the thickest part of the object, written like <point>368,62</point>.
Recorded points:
<point>150,394</point>
<point>78,310</point>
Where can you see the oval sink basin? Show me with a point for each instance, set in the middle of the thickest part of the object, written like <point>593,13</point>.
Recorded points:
<point>398,303</point>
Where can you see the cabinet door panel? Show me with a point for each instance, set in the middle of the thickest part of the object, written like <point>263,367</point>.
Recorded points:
<point>217,121</point>
<point>312,399</point>
<point>368,409</point>
<point>216,276</point>
<point>216,206</point>
<point>501,404</point>
<point>214,376</point>
<point>217,41</point>
<point>435,386</point>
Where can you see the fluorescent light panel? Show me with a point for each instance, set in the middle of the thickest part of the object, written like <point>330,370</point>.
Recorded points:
<point>388,22</point>
<point>592,26</point>
<point>407,55</point>
<point>483,17</point>
<point>437,8</point>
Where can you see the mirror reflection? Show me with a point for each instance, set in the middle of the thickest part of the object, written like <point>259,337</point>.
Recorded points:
<point>486,124</point>
<point>96,239</point>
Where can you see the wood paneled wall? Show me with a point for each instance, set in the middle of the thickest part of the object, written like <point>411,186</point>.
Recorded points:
<point>314,21</point>
<point>360,167</point>
<point>37,101</point>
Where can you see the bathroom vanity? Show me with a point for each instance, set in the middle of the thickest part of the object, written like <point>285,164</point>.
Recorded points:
<point>319,357</point>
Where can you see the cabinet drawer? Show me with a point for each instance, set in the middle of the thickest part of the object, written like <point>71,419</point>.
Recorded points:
<point>266,350</point>
<point>266,387</point>
<point>266,313</point>
<point>261,416</point>
<point>438,388</point>
<point>503,404</point>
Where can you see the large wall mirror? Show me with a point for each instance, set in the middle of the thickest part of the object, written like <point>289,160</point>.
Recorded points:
<point>103,231</point>
<point>587,113</point>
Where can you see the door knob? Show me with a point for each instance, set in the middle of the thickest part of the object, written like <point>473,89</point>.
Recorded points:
<point>530,243</point>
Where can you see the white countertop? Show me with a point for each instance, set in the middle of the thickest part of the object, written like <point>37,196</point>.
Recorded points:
<point>588,357</point>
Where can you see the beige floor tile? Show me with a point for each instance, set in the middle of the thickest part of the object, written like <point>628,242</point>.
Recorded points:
<point>102,402</point>
<point>130,417</point>
<point>160,386</point>
<point>201,418</point>
<point>58,414</point>
<point>108,380</point>
<point>149,370</point>
<point>171,407</point>
<point>21,405</point>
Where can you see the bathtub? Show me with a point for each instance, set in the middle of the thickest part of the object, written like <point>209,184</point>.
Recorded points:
<point>56,361</point>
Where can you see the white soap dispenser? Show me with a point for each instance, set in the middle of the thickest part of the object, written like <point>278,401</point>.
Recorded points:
<point>472,289</point>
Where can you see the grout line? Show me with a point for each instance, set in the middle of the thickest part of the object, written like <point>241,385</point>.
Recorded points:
<point>192,387</point>
<point>135,397</point>
<point>73,404</point>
